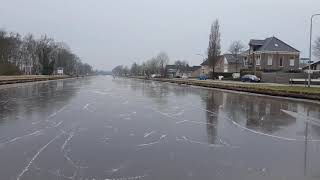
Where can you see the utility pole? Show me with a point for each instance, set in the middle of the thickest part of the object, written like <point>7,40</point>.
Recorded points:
<point>310,49</point>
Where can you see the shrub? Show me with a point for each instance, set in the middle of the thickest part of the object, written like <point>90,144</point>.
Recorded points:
<point>9,69</point>
<point>246,71</point>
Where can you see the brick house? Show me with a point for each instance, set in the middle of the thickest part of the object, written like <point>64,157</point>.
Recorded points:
<point>271,54</point>
<point>227,63</point>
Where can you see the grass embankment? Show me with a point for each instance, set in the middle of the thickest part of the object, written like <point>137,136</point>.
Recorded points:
<point>31,78</point>
<point>312,93</point>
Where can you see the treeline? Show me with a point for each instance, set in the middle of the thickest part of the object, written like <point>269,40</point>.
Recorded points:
<point>28,55</point>
<point>155,65</point>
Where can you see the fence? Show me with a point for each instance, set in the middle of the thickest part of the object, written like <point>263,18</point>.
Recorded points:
<point>284,78</point>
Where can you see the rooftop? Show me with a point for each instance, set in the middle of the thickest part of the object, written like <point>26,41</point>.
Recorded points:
<point>272,44</point>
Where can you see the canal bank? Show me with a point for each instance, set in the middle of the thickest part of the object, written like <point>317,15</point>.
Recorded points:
<point>312,93</point>
<point>24,79</point>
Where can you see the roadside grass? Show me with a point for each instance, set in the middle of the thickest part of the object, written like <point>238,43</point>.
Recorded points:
<point>292,89</point>
<point>23,77</point>
<point>265,87</point>
<point>279,88</point>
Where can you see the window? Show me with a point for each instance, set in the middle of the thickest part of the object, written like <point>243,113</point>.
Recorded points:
<point>281,62</point>
<point>245,61</point>
<point>270,60</point>
<point>291,62</point>
<point>258,59</point>
<point>225,69</point>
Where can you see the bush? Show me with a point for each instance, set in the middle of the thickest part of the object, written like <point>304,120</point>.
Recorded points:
<point>294,71</point>
<point>9,69</point>
<point>247,71</point>
<point>225,75</point>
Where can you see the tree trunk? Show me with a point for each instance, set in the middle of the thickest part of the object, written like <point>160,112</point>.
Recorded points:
<point>213,72</point>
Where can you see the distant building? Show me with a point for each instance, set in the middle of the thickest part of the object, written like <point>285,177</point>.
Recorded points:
<point>177,71</point>
<point>314,66</point>
<point>60,71</point>
<point>26,69</point>
<point>226,63</point>
<point>304,62</point>
<point>272,54</point>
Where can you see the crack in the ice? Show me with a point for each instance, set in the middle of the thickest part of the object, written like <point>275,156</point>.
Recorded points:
<point>36,156</point>
<point>187,140</point>
<point>21,137</point>
<point>67,140</point>
<point>148,134</point>
<point>148,144</point>
<point>128,178</point>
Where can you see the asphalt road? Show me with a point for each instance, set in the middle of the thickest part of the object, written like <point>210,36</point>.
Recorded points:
<point>100,128</point>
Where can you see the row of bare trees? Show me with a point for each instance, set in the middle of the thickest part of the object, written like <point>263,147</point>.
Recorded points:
<point>155,65</point>
<point>38,56</point>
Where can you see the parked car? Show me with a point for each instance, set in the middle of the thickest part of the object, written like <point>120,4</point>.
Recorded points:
<point>156,76</point>
<point>202,77</point>
<point>184,77</point>
<point>250,78</point>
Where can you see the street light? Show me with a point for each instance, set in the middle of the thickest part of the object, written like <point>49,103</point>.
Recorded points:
<point>201,56</point>
<point>310,49</point>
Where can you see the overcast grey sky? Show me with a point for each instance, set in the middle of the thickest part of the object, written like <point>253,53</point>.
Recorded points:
<point>106,33</point>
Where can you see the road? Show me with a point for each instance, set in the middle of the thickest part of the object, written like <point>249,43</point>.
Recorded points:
<point>99,128</point>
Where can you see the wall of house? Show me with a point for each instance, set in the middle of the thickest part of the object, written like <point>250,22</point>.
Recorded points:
<point>276,62</point>
<point>207,69</point>
<point>233,68</point>
<point>196,73</point>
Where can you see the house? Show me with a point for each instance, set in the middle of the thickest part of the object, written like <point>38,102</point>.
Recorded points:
<point>26,69</point>
<point>227,63</point>
<point>314,66</point>
<point>195,71</point>
<point>178,71</point>
<point>272,54</point>
<point>304,62</point>
<point>60,71</point>
<point>172,71</point>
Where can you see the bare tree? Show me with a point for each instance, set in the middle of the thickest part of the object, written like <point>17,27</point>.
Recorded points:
<point>37,56</point>
<point>235,49</point>
<point>214,48</point>
<point>155,65</point>
<point>316,48</point>
<point>134,69</point>
<point>45,47</point>
<point>29,55</point>
<point>182,66</point>
<point>9,47</point>
<point>163,60</point>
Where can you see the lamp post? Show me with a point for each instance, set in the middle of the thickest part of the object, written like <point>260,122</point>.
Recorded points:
<point>310,50</point>
<point>201,56</point>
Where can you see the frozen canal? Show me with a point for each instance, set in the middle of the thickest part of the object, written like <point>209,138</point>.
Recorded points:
<point>99,128</point>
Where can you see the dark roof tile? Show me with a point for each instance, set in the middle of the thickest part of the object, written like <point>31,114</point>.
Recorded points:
<point>272,44</point>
